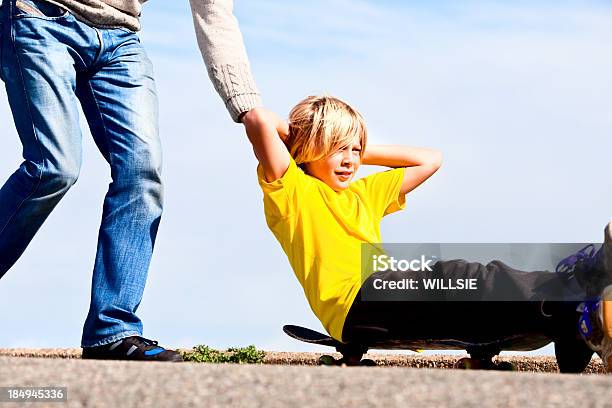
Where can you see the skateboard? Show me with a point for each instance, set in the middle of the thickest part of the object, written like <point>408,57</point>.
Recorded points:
<point>572,354</point>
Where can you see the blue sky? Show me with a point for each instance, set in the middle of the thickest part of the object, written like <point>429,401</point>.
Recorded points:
<point>515,94</point>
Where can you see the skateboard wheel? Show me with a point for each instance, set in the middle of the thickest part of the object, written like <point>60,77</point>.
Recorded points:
<point>368,363</point>
<point>506,366</point>
<point>573,355</point>
<point>327,360</point>
<point>467,363</point>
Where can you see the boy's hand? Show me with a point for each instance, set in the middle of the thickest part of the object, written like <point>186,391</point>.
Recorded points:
<point>258,118</point>
<point>420,163</point>
<point>267,132</point>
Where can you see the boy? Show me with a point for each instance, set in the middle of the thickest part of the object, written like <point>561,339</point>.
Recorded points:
<point>321,219</point>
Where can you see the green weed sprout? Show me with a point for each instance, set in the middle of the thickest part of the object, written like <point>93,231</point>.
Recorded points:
<point>236,355</point>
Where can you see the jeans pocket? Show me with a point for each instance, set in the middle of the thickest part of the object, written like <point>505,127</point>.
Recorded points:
<point>38,9</point>
<point>126,30</point>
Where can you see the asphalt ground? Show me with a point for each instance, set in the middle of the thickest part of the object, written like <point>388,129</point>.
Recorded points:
<point>137,384</point>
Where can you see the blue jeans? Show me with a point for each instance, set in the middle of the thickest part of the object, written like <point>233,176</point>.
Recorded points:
<point>49,63</point>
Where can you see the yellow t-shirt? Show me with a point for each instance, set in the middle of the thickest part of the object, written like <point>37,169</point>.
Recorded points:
<point>322,230</point>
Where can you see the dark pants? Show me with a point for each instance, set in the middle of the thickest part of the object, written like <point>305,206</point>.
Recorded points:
<point>507,302</point>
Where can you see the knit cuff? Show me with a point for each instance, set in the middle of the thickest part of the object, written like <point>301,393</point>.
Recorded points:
<point>240,104</point>
<point>235,85</point>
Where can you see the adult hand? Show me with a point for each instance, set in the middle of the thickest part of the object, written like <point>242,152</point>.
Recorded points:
<point>258,119</point>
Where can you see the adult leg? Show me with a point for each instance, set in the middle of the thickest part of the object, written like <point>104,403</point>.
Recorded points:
<point>38,69</point>
<point>120,102</point>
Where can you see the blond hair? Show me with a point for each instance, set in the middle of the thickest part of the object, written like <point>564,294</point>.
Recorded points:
<point>321,125</point>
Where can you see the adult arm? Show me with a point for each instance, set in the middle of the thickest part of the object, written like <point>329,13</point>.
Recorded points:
<point>222,47</point>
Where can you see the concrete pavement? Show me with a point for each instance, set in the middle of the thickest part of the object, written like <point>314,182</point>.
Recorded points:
<point>137,384</point>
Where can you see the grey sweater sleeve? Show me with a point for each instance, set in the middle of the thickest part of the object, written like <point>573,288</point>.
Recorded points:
<point>224,54</point>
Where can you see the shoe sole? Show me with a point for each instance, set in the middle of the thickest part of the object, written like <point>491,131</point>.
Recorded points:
<point>606,322</point>
<point>118,358</point>
<point>606,312</point>
<point>607,329</point>
<point>173,359</point>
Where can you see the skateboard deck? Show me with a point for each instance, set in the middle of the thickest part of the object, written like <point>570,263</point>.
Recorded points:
<point>572,355</point>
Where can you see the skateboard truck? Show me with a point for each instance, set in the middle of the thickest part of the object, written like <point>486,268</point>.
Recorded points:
<point>351,355</point>
<point>481,358</point>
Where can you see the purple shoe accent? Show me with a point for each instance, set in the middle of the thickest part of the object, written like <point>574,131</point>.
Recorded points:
<point>581,266</point>
<point>586,254</point>
<point>585,327</point>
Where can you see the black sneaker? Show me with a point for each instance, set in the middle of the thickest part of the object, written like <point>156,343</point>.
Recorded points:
<point>132,348</point>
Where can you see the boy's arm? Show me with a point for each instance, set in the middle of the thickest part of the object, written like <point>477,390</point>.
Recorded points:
<point>266,132</point>
<point>420,163</point>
